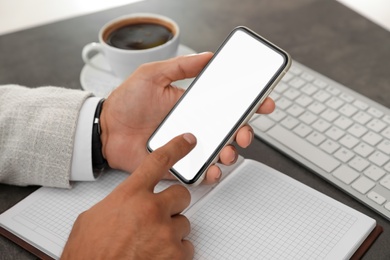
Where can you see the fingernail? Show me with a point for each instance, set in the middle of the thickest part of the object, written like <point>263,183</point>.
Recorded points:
<point>250,137</point>
<point>219,175</point>
<point>233,157</point>
<point>190,138</point>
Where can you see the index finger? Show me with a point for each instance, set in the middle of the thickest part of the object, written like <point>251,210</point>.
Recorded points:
<point>155,165</point>
<point>267,107</point>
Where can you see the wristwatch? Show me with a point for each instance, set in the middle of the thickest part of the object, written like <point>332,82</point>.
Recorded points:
<point>99,163</point>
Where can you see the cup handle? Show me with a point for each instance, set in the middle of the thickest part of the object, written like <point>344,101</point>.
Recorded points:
<point>93,47</point>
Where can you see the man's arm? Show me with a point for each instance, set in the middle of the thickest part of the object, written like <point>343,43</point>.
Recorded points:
<point>37,130</point>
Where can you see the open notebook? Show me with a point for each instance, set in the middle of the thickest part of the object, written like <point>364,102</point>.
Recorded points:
<point>255,212</point>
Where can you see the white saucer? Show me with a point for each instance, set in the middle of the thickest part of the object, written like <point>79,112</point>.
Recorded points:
<point>101,83</point>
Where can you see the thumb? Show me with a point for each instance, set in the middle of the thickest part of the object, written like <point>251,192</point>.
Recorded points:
<point>156,164</point>
<point>182,67</point>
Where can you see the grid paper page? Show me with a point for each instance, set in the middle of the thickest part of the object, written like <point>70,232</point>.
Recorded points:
<point>68,204</point>
<point>45,218</point>
<point>257,215</point>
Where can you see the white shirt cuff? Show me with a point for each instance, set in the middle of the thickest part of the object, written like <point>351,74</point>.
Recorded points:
<point>81,169</point>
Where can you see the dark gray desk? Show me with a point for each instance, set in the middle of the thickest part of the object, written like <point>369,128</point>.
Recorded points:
<point>323,35</point>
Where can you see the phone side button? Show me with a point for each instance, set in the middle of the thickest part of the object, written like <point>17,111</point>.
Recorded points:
<point>303,148</point>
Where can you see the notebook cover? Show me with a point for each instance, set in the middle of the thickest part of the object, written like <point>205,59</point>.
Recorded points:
<point>359,253</point>
<point>24,244</point>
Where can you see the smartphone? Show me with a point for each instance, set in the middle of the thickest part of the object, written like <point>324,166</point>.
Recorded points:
<point>221,99</point>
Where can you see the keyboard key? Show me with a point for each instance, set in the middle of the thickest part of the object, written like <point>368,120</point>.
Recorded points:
<point>349,141</point>
<point>379,158</point>
<point>277,115</point>
<point>275,96</point>
<point>335,133</point>
<point>386,133</point>
<point>320,83</point>
<point>262,122</point>
<point>316,108</point>
<point>357,130</point>
<point>376,125</point>
<point>385,182</point>
<point>334,103</point>
<point>330,115</point>
<point>316,138</point>
<point>292,93</point>
<point>290,122</point>
<point>281,87</point>
<point>345,174</point>
<point>348,110</point>
<point>321,96</point>
<point>363,149</point>
<point>332,90</point>
<point>360,104</point>
<point>309,89</point>
<point>375,112</point>
<point>359,163</point>
<point>343,122</point>
<point>372,138</point>
<point>374,173</point>
<point>377,198</point>
<point>384,146</point>
<point>344,154</point>
<point>362,117</point>
<point>302,130</point>
<point>307,76</point>
<point>295,110</point>
<point>321,125</point>
<point>363,185</point>
<point>296,82</point>
<point>303,148</point>
<point>295,70</point>
<point>283,103</point>
<point>304,100</point>
<point>346,97</point>
<point>329,146</point>
<point>387,206</point>
<point>308,117</point>
<point>386,119</point>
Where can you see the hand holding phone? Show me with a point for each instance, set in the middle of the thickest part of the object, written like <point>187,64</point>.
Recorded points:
<point>221,99</point>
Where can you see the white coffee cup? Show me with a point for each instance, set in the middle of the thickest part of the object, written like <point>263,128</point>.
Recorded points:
<point>123,62</point>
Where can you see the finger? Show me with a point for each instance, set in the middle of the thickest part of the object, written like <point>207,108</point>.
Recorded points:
<point>188,248</point>
<point>182,226</point>
<point>267,107</point>
<point>156,164</point>
<point>213,175</point>
<point>244,136</point>
<point>175,198</point>
<point>182,67</point>
<point>228,155</point>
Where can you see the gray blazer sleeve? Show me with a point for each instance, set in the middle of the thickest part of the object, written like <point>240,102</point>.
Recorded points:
<point>37,129</point>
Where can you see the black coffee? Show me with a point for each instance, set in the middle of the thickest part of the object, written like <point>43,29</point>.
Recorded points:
<point>139,36</point>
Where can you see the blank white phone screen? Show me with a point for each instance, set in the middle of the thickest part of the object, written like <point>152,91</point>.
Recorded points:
<point>219,98</point>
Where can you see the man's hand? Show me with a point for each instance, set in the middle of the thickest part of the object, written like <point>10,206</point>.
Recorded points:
<point>134,110</point>
<point>132,222</point>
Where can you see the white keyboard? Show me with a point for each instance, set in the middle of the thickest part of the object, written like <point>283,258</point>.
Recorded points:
<point>337,133</point>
